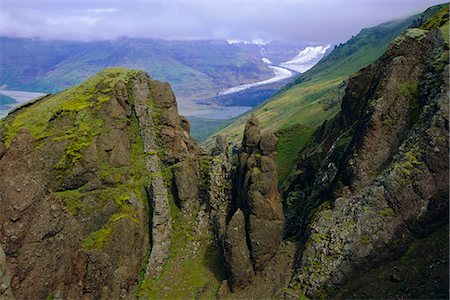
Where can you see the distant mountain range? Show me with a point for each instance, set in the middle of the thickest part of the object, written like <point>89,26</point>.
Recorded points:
<point>306,102</point>
<point>195,69</point>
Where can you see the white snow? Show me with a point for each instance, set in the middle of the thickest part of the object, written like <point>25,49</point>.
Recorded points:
<point>267,61</point>
<point>306,59</point>
<point>21,96</point>
<point>279,74</point>
<point>258,42</point>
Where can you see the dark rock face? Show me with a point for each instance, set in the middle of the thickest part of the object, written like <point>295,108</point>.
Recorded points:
<point>74,187</point>
<point>382,172</point>
<point>179,149</point>
<point>258,198</point>
<point>220,187</point>
<point>237,253</point>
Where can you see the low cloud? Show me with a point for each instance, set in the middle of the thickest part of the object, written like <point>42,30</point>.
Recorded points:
<point>320,21</point>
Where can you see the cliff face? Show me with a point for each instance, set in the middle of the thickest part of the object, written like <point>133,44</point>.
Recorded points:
<point>374,180</point>
<point>256,226</point>
<point>104,195</point>
<point>79,171</point>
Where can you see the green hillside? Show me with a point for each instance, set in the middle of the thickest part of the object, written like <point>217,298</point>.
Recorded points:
<point>313,97</point>
<point>195,69</point>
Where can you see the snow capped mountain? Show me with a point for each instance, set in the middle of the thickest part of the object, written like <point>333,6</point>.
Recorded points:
<point>306,59</point>
<point>258,42</point>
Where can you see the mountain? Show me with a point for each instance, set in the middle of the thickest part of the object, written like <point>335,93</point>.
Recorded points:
<point>94,160</point>
<point>105,195</point>
<point>284,58</point>
<point>314,96</point>
<point>369,191</point>
<point>119,199</point>
<point>306,59</point>
<point>195,69</point>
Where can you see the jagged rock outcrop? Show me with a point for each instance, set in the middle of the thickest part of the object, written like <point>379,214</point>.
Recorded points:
<point>161,221</point>
<point>179,150</point>
<point>377,174</point>
<point>79,171</point>
<point>220,187</point>
<point>237,254</point>
<point>258,198</point>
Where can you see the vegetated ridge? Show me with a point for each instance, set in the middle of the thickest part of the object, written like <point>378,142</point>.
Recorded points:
<point>120,201</point>
<point>301,106</point>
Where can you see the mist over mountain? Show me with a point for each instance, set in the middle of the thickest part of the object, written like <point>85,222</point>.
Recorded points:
<point>305,169</point>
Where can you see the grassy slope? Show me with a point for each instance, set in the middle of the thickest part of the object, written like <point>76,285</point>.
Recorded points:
<point>194,268</point>
<point>202,128</point>
<point>301,101</point>
<point>289,140</point>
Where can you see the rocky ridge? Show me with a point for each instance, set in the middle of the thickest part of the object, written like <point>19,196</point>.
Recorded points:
<point>256,227</point>
<point>104,194</point>
<point>88,158</point>
<point>377,174</point>
<point>112,180</point>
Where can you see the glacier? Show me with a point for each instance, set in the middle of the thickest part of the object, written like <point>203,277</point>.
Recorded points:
<point>306,59</point>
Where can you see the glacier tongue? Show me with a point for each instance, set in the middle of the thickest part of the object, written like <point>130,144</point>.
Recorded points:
<point>306,58</point>
<point>279,74</point>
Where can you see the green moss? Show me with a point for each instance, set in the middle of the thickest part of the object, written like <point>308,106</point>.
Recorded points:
<point>409,89</point>
<point>320,236</point>
<point>121,198</point>
<point>187,273</point>
<point>36,117</point>
<point>314,213</point>
<point>343,141</point>
<point>151,152</point>
<point>388,122</point>
<point>438,20</point>
<point>50,295</point>
<point>97,239</point>
<point>416,33</point>
<point>412,158</point>
<point>167,174</point>
<point>410,163</point>
<point>413,33</point>
<point>72,200</point>
<point>102,99</point>
<point>116,173</point>
<point>365,240</point>
<point>386,212</point>
<point>256,170</point>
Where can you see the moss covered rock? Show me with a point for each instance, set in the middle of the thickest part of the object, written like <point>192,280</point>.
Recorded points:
<point>77,185</point>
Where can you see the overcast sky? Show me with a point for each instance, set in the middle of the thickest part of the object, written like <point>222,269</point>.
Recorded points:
<point>318,21</point>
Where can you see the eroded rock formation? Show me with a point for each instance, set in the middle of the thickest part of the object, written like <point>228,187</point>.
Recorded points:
<point>382,176</point>
<point>258,203</point>
<point>79,171</point>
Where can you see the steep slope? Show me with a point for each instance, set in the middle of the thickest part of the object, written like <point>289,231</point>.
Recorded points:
<point>104,195</point>
<point>371,188</point>
<point>314,96</point>
<point>81,177</point>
